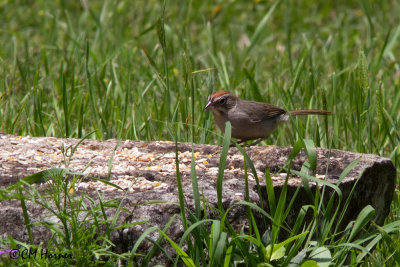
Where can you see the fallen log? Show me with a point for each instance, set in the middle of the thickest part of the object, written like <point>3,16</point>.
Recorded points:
<point>146,172</point>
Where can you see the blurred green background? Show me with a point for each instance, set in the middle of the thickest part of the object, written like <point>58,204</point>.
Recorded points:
<point>70,67</point>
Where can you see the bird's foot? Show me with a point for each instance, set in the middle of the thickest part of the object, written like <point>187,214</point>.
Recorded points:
<point>256,142</point>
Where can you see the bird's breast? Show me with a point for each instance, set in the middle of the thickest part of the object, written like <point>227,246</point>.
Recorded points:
<point>220,119</point>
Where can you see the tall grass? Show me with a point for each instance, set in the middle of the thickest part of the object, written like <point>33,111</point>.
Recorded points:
<point>128,71</point>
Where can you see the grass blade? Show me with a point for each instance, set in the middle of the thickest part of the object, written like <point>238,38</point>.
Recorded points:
<point>365,216</point>
<point>222,162</point>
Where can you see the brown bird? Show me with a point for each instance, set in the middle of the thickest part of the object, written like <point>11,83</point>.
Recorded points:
<point>250,119</point>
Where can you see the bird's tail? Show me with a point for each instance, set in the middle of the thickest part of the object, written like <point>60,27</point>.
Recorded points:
<point>309,112</point>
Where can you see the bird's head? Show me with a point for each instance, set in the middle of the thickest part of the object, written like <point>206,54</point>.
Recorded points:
<point>221,101</point>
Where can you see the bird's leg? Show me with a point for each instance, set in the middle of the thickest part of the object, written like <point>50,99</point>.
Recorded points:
<point>238,142</point>
<point>233,143</point>
<point>258,141</point>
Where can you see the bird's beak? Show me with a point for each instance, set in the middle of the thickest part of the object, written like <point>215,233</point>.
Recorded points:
<point>208,106</point>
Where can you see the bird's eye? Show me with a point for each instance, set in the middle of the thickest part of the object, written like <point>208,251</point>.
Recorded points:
<point>222,101</point>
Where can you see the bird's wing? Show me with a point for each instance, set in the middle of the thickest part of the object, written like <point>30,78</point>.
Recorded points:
<point>262,111</point>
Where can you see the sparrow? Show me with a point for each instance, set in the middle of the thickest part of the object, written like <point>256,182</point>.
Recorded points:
<point>250,119</point>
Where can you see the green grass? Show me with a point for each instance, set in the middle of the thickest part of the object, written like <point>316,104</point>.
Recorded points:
<point>142,70</point>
